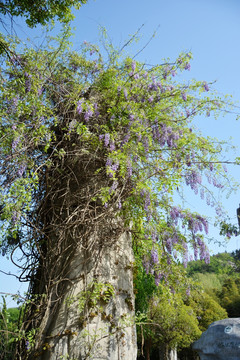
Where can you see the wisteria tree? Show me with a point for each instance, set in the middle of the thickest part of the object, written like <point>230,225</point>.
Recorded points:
<point>92,151</point>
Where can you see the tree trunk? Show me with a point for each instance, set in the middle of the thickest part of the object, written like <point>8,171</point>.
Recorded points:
<point>91,321</point>
<point>85,270</point>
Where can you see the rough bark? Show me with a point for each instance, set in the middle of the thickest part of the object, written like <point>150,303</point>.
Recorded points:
<point>107,330</point>
<point>85,268</point>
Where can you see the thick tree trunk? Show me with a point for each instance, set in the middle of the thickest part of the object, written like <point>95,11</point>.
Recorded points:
<point>100,326</point>
<point>85,268</point>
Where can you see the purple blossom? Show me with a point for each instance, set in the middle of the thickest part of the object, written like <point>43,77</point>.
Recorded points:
<point>111,146</point>
<point>195,249</point>
<point>28,82</point>
<point>146,145</point>
<point>150,99</point>
<point>88,113</point>
<point>208,200</point>
<point>129,168</point>
<point>146,265</point>
<point>15,143</point>
<point>205,85</point>
<point>133,65</point>
<point>119,204</point>
<point>147,202</point>
<point>158,277</point>
<point>184,96</point>
<point>40,91</point>
<point>79,106</point>
<point>188,291</point>
<point>225,168</point>
<point>15,102</point>
<point>115,166</point>
<point>187,66</point>
<point>205,224</point>
<point>109,162</point>
<point>218,211</point>
<point>126,138</point>
<point>15,217</point>
<point>106,139</point>
<point>175,213</point>
<point>113,187</point>
<point>154,256</point>
<point>131,117</point>
<point>14,127</point>
<point>125,94</point>
<point>185,255</point>
<point>169,245</point>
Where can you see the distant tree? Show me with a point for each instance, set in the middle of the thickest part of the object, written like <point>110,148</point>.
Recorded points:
<point>223,263</point>
<point>206,309</point>
<point>229,297</point>
<point>171,324</point>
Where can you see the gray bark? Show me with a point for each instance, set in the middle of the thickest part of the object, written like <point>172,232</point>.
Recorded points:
<point>105,331</point>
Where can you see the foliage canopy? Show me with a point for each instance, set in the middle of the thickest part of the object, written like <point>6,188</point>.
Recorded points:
<point>39,12</point>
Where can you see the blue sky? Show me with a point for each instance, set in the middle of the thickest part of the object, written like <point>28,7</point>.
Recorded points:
<point>208,28</point>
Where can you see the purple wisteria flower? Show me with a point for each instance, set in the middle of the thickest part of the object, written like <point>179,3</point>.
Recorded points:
<point>169,245</point>
<point>106,139</point>
<point>133,65</point>
<point>205,85</point>
<point>147,202</point>
<point>88,114</point>
<point>154,256</point>
<point>175,213</point>
<point>146,145</point>
<point>129,168</point>
<point>184,96</point>
<point>187,66</point>
<point>111,146</point>
<point>185,255</point>
<point>158,277</point>
<point>28,82</point>
<point>113,187</point>
<point>15,143</point>
<point>80,106</point>
<point>146,265</point>
<point>195,251</point>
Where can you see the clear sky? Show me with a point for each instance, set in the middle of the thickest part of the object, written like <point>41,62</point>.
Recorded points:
<point>208,28</point>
